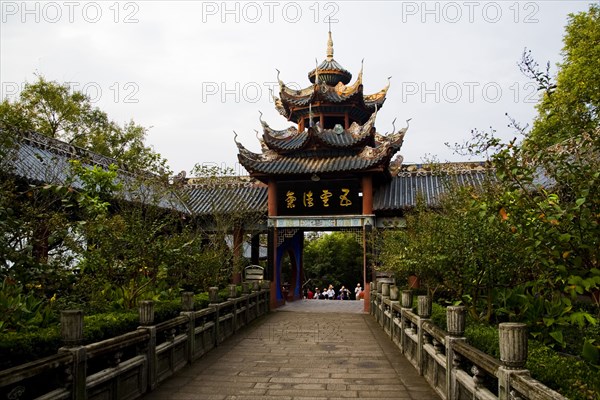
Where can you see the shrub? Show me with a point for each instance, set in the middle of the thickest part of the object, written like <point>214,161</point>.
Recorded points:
<point>569,375</point>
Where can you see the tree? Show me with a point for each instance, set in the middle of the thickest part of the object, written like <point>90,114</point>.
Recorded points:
<point>55,110</point>
<point>571,105</point>
<point>335,258</point>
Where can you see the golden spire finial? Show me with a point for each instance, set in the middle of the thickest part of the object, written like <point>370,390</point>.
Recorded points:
<point>329,44</point>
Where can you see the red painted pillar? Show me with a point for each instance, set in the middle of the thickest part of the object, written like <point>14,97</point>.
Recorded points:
<point>367,190</point>
<point>238,249</point>
<point>272,198</point>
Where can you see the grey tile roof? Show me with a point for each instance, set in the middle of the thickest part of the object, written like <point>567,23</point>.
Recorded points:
<point>207,200</point>
<point>403,191</point>
<point>40,159</point>
<point>309,165</point>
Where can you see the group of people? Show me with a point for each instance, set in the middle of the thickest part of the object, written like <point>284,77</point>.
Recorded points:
<point>330,294</point>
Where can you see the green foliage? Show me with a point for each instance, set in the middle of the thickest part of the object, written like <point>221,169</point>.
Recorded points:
<point>571,106</point>
<point>21,347</point>
<point>457,249</point>
<point>21,311</point>
<point>334,258</point>
<point>571,376</point>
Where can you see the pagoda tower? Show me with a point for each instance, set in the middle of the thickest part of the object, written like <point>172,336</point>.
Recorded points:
<point>322,171</point>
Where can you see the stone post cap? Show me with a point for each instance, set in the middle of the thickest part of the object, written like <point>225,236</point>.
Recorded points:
<point>513,344</point>
<point>213,294</point>
<point>71,327</point>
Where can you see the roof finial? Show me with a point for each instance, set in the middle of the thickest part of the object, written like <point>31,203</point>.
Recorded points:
<point>329,44</point>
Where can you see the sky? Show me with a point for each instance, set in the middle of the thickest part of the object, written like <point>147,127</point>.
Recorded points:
<point>195,71</point>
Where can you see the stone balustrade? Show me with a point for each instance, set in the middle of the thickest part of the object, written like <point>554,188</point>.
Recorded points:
<point>129,365</point>
<point>455,369</point>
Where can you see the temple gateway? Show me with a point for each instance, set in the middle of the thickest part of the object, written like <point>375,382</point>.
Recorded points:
<point>332,170</point>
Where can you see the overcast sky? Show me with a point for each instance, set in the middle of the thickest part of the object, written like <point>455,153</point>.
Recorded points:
<point>195,71</point>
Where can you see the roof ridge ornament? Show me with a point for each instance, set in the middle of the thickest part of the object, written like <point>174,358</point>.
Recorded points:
<point>329,45</point>
<point>235,135</point>
<point>262,122</point>
<point>281,84</point>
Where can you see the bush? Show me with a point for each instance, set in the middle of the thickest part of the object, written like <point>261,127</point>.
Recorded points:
<point>571,376</point>
<point>22,347</point>
<point>19,348</point>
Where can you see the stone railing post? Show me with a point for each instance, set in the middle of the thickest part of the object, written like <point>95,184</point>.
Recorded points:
<point>407,299</point>
<point>394,299</point>
<point>213,295</point>
<point>513,355</point>
<point>187,301</point>
<point>394,293</point>
<point>385,289</point>
<point>213,298</point>
<point>455,320</point>
<point>233,291</point>
<point>424,306</point>
<point>187,307</point>
<point>71,327</point>
<point>255,286</point>
<point>385,295</point>
<point>266,287</point>
<point>232,296</point>
<point>513,344</point>
<point>424,312</point>
<point>245,287</point>
<point>406,303</point>
<point>146,313</point>
<point>71,330</point>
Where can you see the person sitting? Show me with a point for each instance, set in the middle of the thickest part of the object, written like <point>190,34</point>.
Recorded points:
<point>344,293</point>
<point>317,294</point>
<point>330,293</point>
<point>357,291</point>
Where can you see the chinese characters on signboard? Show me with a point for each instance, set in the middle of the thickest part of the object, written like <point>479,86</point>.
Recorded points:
<point>319,198</point>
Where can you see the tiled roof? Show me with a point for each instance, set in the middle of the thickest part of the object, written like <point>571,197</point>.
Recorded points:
<point>208,200</point>
<point>40,159</point>
<point>290,140</point>
<point>284,141</point>
<point>403,190</point>
<point>307,163</point>
<point>328,95</point>
<point>331,72</point>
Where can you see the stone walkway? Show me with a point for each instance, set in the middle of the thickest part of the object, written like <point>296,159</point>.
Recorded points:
<point>310,349</point>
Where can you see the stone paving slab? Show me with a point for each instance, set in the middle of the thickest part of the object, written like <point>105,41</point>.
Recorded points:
<point>309,349</point>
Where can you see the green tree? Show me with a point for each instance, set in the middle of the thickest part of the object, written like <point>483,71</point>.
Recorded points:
<point>55,110</point>
<point>570,106</point>
<point>334,258</point>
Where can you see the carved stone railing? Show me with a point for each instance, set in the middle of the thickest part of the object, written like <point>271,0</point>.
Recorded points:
<point>455,369</point>
<point>129,365</point>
